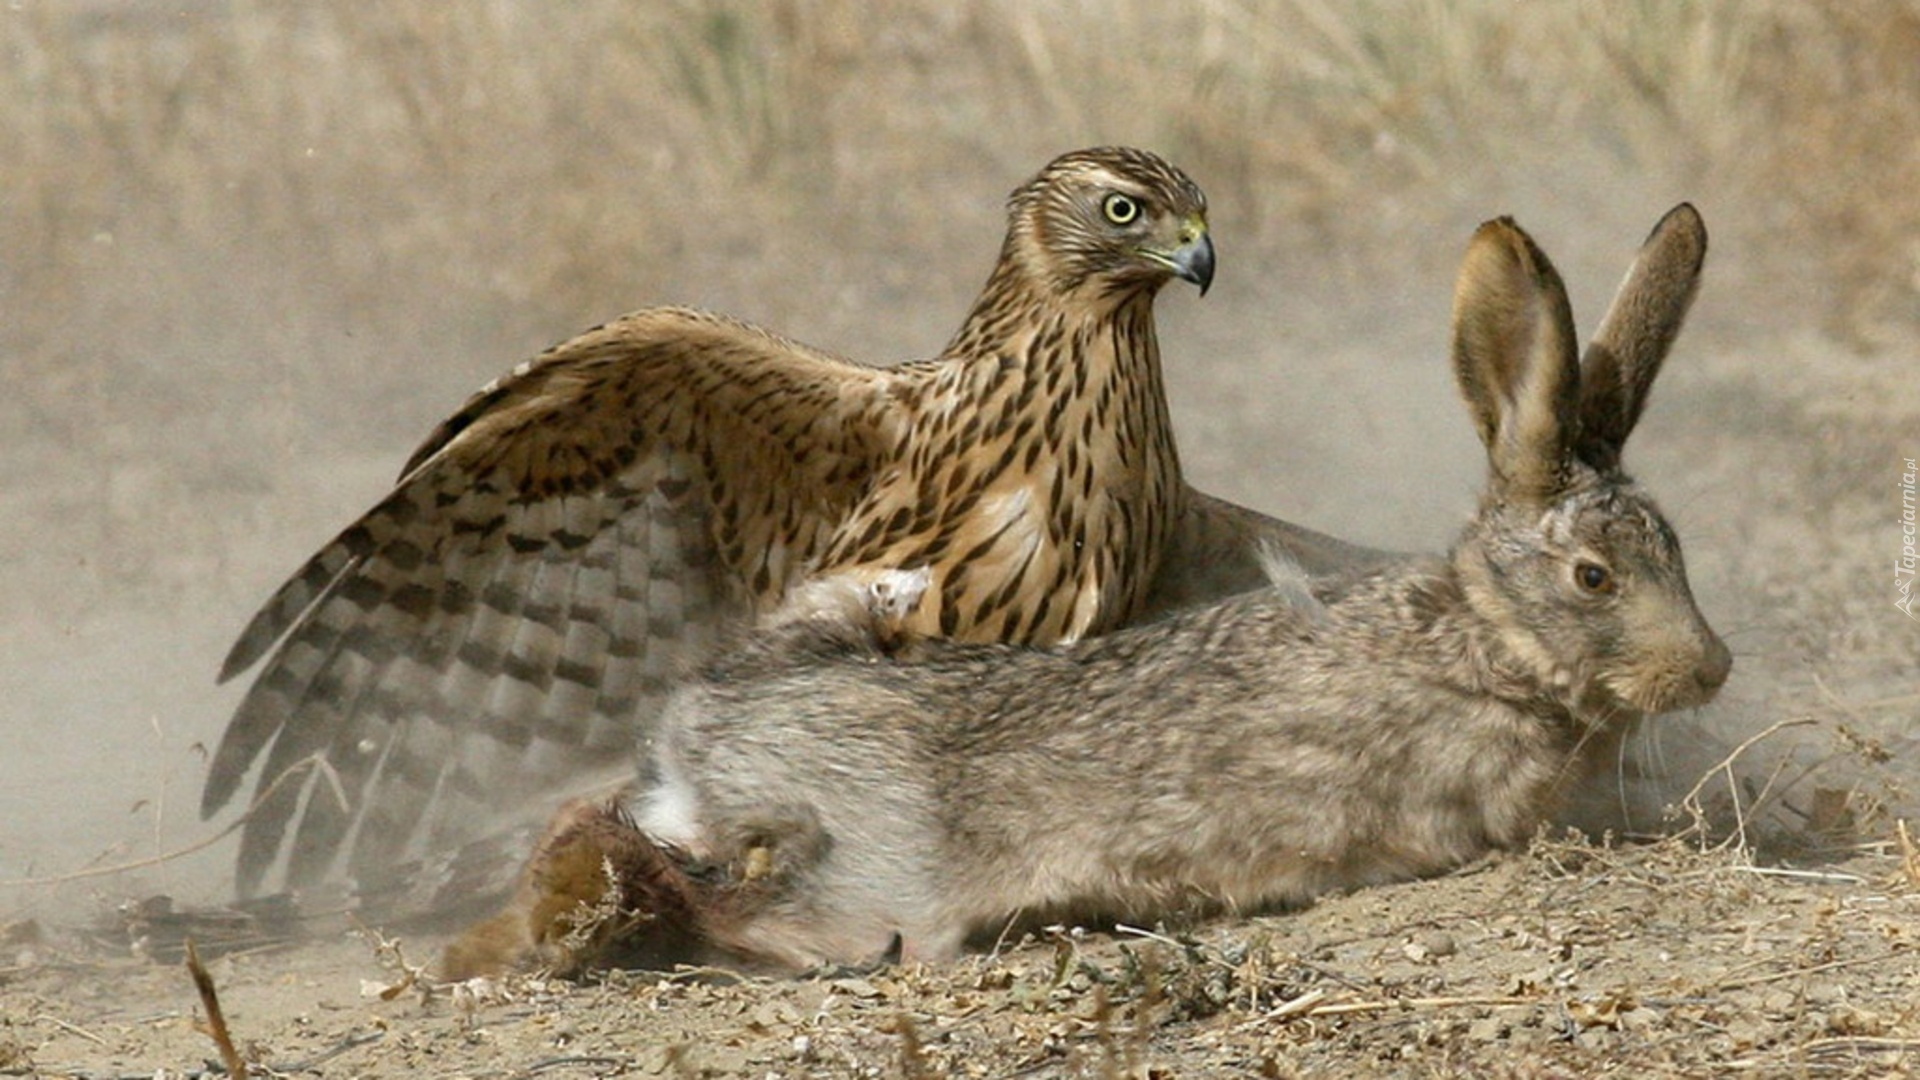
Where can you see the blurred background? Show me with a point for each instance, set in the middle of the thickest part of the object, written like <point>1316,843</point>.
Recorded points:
<point>251,252</point>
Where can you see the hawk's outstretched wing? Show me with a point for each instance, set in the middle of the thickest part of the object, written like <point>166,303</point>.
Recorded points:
<point>489,630</point>
<point>491,637</point>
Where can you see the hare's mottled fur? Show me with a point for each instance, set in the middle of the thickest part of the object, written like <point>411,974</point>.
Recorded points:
<point>1309,737</point>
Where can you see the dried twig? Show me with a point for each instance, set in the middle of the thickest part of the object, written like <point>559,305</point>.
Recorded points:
<point>71,1029</point>
<point>1794,973</point>
<point>1909,852</point>
<point>1833,877</point>
<point>1135,931</point>
<point>351,1042</point>
<point>1691,801</point>
<point>388,954</point>
<point>313,762</point>
<point>216,1025</point>
<point>577,1061</point>
<point>913,1057</point>
<point>1293,1007</point>
<point>1313,1003</point>
<point>1340,1008</point>
<point>593,923</point>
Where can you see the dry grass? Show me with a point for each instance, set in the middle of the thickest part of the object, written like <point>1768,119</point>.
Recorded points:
<point>497,166</point>
<point>407,198</point>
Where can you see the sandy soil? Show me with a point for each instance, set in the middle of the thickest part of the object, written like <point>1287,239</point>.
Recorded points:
<point>1570,960</point>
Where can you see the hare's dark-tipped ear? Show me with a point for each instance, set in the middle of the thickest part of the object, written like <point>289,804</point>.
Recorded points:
<point>1640,327</point>
<point>1513,354</point>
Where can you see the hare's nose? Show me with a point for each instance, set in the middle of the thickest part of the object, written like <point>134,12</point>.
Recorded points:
<point>1715,665</point>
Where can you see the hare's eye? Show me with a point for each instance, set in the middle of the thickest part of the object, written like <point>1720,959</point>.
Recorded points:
<point>1121,209</point>
<point>1593,577</point>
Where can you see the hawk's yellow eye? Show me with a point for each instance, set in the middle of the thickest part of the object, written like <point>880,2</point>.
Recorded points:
<point>1121,209</point>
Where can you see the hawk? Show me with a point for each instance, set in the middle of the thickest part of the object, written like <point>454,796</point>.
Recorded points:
<point>499,629</point>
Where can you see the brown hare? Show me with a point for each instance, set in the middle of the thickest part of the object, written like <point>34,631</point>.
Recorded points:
<point>818,795</point>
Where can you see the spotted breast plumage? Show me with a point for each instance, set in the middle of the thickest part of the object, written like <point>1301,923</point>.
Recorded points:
<point>497,631</point>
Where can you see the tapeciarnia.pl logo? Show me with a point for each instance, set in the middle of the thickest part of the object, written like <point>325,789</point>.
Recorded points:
<point>1909,560</point>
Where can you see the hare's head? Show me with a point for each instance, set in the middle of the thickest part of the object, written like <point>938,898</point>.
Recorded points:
<point>1568,560</point>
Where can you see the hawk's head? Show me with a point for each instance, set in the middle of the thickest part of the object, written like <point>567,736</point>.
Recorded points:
<point>1120,219</point>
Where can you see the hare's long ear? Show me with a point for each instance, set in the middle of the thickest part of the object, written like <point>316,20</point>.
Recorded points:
<point>1513,354</point>
<point>1646,315</point>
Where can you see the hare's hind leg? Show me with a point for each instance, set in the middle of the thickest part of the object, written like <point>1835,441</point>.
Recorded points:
<point>596,892</point>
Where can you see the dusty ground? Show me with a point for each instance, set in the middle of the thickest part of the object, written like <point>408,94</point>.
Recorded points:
<point>1788,950</point>
<point>251,258</point>
<point>1569,961</point>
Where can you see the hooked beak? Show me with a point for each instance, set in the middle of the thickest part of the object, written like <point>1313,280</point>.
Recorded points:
<point>1193,259</point>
